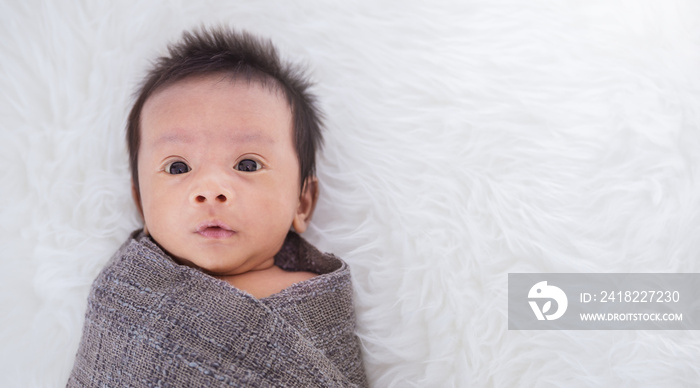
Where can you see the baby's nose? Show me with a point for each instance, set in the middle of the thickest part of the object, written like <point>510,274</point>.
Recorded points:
<point>202,198</point>
<point>211,186</point>
<point>210,192</point>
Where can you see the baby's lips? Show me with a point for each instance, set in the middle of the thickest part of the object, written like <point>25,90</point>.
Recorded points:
<point>216,224</point>
<point>216,230</point>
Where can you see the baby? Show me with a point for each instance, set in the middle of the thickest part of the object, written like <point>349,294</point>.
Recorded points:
<point>218,288</point>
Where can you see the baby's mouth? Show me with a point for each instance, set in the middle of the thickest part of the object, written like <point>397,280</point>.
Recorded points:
<point>214,229</point>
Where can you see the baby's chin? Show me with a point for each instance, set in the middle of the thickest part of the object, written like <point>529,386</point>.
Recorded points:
<point>218,267</point>
<point>219,259</point>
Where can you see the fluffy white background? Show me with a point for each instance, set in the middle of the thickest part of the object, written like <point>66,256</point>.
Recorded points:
<point>465,140</point>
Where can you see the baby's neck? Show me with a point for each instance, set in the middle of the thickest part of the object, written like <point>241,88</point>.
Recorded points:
<point>265,282</point>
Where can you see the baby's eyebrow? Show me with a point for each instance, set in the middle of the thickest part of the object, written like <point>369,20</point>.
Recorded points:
<point>235,138</point>
<point>174,138</point>
<point>247,137</point>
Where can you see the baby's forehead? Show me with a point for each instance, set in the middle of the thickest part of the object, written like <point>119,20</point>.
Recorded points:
<point>216,88</point>
<point>199,87</point>
<point>196,106</point>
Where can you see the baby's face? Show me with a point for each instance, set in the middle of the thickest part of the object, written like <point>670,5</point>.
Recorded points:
<point>218,173</point>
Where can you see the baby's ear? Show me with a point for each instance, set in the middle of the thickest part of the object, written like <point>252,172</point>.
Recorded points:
<point>307,204</point>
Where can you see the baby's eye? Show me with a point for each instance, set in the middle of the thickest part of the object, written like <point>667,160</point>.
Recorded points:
<point>248,165</point>
<point>177,168</point>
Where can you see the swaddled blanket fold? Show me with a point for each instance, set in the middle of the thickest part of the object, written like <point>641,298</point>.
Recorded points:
<point>153,322</point>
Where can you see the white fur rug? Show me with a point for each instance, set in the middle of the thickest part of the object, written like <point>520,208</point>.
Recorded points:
<point>465,140</point>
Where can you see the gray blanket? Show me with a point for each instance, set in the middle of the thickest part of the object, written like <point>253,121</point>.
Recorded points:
<point>153,323</point>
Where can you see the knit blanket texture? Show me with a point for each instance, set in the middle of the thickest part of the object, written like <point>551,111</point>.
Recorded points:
<point>153,322</point>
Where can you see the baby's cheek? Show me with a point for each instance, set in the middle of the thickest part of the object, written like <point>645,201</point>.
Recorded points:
<point>161,223</point>
<point>276,213</point>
